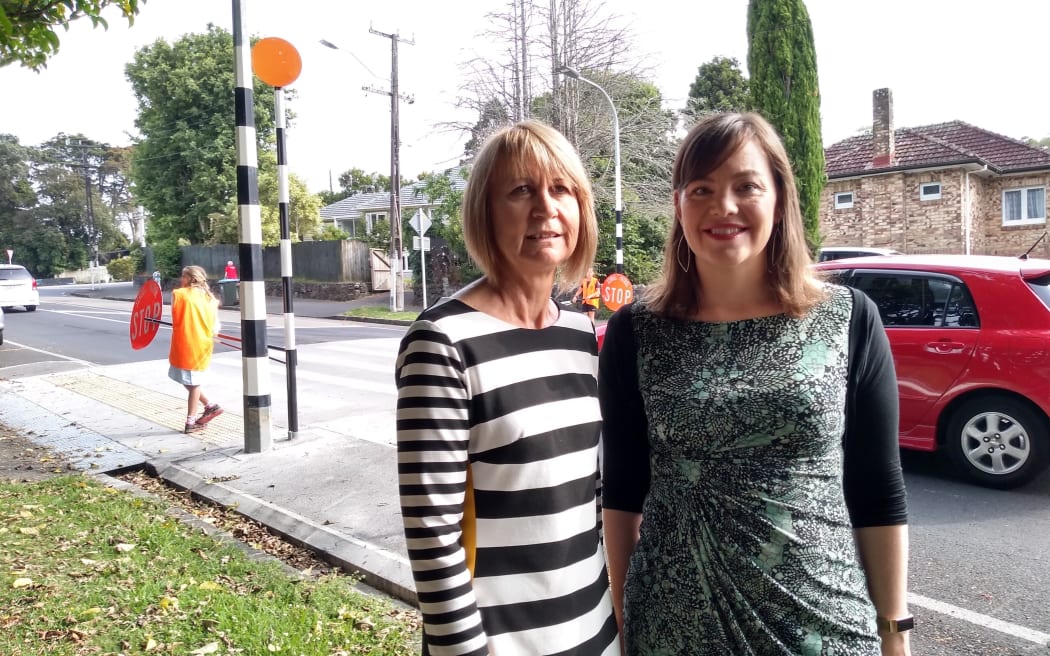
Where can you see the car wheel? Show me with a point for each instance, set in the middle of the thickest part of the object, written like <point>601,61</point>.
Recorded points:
<point>30,308</point>
<point>998,441</point>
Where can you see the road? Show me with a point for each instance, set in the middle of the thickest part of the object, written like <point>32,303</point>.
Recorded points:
<point>980,559</point>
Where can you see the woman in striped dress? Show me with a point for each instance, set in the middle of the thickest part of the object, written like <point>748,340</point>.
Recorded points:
<point>498,421</point>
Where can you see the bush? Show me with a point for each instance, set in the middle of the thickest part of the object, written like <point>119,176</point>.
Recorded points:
<point>168,258</point>
<point>331,233</point>
<point>121,269</point>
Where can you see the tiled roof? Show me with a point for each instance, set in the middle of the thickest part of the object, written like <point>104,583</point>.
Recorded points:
<point>942,144</point>
<point>411,196</point>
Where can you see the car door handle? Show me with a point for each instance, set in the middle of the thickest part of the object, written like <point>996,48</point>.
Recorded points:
<point>945,346</point>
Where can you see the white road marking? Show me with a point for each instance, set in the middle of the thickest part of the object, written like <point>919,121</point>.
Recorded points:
<point>1017,631</point>
<point>57,355</point>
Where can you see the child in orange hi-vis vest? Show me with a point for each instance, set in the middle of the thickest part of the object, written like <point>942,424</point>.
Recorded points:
<point>589,292</point>
<point>194,324</point>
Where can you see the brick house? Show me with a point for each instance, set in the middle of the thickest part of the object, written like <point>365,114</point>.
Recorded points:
<point>945,188</point>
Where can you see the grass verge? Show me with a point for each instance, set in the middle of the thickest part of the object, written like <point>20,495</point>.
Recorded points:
<point>376,312</point>
<point>86,569</point>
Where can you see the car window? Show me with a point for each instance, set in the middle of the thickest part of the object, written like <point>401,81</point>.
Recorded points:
<point>15,274</point>
<point>960,311</point>
<point>1041,287</point>
<point>912,300</point>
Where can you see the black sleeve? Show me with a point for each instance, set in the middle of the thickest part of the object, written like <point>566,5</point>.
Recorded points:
<point>872,477</point>
<point>625,430</point>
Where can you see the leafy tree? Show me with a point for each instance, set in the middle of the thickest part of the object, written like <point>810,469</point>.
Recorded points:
<point>304,209</point>
<point>356,181</point>
<point>17,197</point>
<point>492,116</point>
<point>448,260</point>
<point>643,242</point>
<point>184,165</point>
<point>66,169</point>
<point>28,29</point>
<point>1043,143</point>
<point>117,191</point>
<point>719,87</point>
<point>784,88</point>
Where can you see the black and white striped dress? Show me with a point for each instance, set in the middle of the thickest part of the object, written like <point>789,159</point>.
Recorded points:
<point>498,431</point>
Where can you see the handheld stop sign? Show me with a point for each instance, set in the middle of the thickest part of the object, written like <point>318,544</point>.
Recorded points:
<point>617,291</point>
<point>148,308</point>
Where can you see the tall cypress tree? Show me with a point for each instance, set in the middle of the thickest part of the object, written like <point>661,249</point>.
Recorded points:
<point>782,62</point>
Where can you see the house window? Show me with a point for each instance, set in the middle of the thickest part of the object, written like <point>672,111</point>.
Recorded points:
<point>371,218</point>
<point>844,200</point>
<point>1024,206</point>
<point>930,191</point>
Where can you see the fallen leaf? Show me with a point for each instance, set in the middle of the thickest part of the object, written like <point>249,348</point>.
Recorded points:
<point>22,583</point>
<point>209,648</point>
<point>151,644</point>
<point>210,585</point>
<point>169,603</point>
<point>124,547</point>
<point>29,530</point>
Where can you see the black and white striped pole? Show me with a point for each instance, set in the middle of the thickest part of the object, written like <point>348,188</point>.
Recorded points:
<point>278,64</point>
<point>255,370</point>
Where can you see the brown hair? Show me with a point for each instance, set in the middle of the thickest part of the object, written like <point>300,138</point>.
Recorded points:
<point>707,146</point>
<point>519,149</point>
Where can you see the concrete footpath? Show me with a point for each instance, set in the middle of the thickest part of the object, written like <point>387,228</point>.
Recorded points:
<point>332,489</point>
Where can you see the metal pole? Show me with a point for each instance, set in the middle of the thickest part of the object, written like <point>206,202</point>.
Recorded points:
<point>619,193</point>
<point>255,371</point>
<point>423,266</point>
<point>398,287</point>
<point>397,279</point>
<point>616,167</point>
<point>291,354</point>
<point>574,74</point>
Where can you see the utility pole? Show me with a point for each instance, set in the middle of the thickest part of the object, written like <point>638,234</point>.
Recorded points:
<point>397,279</point>
<point>89,203</point>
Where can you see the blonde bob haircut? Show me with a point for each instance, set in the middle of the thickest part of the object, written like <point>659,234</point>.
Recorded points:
<point>524,150</point>
<point>710,143</point>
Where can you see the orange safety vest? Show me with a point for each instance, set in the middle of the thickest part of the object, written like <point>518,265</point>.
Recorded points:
<point>193,326</point>
<point>589,291</point>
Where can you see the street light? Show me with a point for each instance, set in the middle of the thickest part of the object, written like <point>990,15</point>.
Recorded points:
<point>575,75</point>
<point>329,44</point>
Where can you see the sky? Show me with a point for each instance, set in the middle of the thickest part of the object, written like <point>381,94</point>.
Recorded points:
<point>943,60</point>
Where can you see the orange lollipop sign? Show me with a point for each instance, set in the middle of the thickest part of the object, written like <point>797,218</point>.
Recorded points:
<point>149,305</point>
<point>617,291</point>
<point>276,61</point>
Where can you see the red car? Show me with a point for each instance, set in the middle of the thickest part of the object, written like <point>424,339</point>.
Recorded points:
<point>970,337</point>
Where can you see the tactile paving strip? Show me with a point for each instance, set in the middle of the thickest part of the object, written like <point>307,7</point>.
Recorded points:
<point>161,409</point>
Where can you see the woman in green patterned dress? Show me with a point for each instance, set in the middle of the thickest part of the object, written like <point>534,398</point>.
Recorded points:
<point>753,496</point>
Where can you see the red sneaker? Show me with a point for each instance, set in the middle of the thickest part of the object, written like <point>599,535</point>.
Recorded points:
<point>210,412</point>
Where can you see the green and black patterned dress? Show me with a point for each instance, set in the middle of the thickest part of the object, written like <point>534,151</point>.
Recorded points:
<point>747,537</point>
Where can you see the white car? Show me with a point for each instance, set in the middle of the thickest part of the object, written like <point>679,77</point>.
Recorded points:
<point>18,287</point>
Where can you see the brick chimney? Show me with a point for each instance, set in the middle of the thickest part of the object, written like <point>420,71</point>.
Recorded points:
<point>882,128</point>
